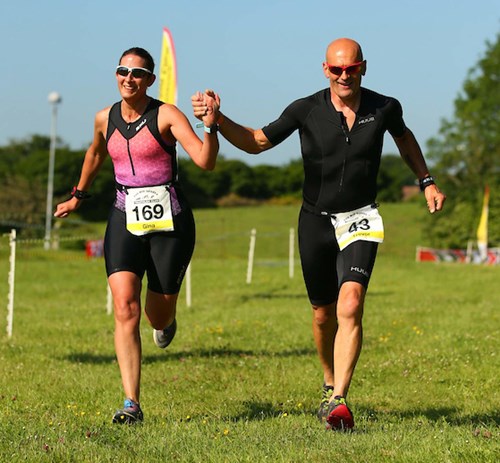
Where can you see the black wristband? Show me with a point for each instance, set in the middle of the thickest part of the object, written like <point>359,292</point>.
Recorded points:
<point>425,182</point>
<point>212,129</point>
<point>79,194</point>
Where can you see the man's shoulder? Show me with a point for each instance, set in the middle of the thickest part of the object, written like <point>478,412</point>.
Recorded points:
<point>319,96</point>
<point>376,97</point>
<point>386,109</point>
<point>314,99</point>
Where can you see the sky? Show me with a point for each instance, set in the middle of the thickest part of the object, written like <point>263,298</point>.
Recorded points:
<point>259,56</point>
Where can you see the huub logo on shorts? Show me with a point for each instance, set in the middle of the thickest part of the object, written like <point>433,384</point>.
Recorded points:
<point>360,270</point>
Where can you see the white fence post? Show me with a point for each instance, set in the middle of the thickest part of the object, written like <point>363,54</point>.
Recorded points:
<point>251,252</point>
<point>188,285</point>
<point>109,301</point>
<point>12,273</point>
<point>468,258</point>
<point>291,256</point>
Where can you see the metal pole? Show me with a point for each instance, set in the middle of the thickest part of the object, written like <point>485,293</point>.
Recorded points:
<point>54,99</point>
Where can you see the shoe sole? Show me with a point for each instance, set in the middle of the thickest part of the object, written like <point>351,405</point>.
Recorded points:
<point>123,417</point>
<point>172,336</point>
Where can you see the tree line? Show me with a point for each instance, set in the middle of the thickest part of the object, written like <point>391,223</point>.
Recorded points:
<point>24,172</point>
<point>466,157</point>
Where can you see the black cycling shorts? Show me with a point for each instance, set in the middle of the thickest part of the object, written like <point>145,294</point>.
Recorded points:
<point>164,256</point>
<point>324,266</point>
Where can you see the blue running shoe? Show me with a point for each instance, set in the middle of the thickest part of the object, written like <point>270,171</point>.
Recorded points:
<point>163,338</point>
<point>130,413</point>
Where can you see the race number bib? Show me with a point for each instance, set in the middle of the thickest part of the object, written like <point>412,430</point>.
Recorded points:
<point>148,210</point>
<point>363,224</point>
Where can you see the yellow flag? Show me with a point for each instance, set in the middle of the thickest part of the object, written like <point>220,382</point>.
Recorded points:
<point>168,70</point>
<point>482,229</point>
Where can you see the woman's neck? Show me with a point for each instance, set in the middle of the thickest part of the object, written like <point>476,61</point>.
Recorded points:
<point>133,109</point>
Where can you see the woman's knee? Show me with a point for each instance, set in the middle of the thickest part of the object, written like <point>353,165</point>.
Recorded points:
<point>127,310</point>
<point>160,309</point>
<point>324,315</point>
<point>126,291</point>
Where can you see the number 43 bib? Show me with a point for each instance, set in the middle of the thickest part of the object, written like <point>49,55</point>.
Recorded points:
<point>364,224</point>
<point>148,210</point>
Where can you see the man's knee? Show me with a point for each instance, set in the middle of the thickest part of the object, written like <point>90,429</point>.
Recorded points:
<point>351,301</point>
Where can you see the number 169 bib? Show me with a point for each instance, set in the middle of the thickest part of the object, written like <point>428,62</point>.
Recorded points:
<point>148,210</point>
<point>364,223</point>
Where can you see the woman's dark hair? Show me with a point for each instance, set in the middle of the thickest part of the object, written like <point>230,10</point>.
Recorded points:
<point>144,54</point>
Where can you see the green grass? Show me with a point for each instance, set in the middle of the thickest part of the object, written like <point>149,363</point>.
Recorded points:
<point>241,382</point>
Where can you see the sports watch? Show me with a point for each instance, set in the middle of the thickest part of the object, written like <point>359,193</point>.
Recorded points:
<point>212,129</point>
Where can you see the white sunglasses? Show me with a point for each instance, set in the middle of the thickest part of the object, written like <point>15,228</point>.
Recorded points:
<point>138,73</point>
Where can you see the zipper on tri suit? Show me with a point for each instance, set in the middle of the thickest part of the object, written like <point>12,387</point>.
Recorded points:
<point>348,142</point>
<point>130,158</point>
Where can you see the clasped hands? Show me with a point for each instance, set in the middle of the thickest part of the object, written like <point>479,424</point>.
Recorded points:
<point>206,107</point>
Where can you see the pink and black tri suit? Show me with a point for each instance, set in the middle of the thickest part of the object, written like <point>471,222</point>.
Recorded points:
<point>141,157</point>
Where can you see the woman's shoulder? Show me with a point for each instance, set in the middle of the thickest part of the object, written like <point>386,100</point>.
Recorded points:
<point>103,114</point>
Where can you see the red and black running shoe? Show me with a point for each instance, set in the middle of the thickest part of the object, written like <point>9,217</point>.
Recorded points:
<point>325,402</point>
<point>339,416</point>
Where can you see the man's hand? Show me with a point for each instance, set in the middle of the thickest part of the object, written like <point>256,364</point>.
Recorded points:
<point>435,198</point>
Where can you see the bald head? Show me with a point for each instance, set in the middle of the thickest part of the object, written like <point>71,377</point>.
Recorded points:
<point>344,68</point>
<point>344,51</point>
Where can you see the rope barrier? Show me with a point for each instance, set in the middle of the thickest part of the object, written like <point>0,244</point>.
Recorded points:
<point>58,239</point>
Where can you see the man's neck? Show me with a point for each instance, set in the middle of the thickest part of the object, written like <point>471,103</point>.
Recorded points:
<point>346,104</point>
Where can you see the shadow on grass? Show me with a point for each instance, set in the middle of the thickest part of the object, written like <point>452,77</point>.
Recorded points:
<point>257,411</point>
<point>92,358</point>
<point>269,295</point>
<point>449,415</point>
<point>278,294</point>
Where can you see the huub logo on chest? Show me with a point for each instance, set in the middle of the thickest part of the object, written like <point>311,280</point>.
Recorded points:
<point>366,120</point>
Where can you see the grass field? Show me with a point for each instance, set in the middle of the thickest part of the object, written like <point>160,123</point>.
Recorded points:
<point>241,382</point>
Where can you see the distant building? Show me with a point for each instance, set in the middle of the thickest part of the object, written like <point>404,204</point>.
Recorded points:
<point>409,191</point>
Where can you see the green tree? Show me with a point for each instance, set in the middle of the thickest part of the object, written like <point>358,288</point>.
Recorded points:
<point>67,172</point>
<point>466,156</point>
<point>22,204</point>
<point>393,175</point>
<point>196,184</point>
<point>243,182</point>
<point>23,173</point>
<point>211,184</point>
